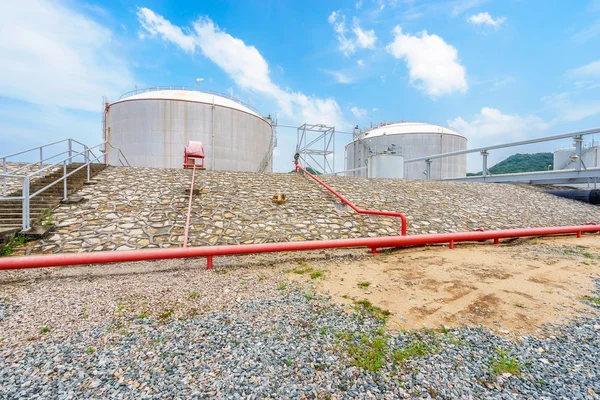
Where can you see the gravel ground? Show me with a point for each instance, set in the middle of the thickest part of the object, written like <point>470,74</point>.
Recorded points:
<point>298,345</point>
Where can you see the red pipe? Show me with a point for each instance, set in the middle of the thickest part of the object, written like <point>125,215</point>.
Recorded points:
<point>210,251</point>
<point>358,210</point>
<point>187,222</point>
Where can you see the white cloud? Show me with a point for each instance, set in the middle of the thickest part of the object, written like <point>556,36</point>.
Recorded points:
<point>375,109</point>
<point>359,113</point>
<point>492,126</point>
<point>360,63</point>
<point>433,64</point>
<point>484,18</point>
<point>587,33</point>
<point>96,9</point>
<point>358,4</point>
<point>56,56</point>
<point>571,106</point>
<point>460,6</point>
<point>244,64</point>
<point>591,70</point>
<point>362,39</point>
<point>340,77</point>
<point>581,102</point>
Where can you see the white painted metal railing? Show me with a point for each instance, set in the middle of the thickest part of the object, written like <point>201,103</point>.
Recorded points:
<point>89,157</point>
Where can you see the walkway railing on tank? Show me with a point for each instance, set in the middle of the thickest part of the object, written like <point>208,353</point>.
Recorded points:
<point>159,88</point>
<point>42,167</point>
<point>484,151</point>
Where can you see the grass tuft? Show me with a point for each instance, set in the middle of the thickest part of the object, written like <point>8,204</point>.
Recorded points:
<point>363,285</point>
<point>416,348</point>
<point>317,274</point>
<point>503,363</point>
<point>369,354</point>
<point>365,307</point>
<point>595,300</point>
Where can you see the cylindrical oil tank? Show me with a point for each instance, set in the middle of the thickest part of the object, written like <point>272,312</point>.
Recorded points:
<point>590,155</point>
<point>410,140</point>
<point>152,128</point>
<point>386,166</point>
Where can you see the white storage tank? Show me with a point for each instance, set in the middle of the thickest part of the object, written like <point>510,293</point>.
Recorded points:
<point>590,154</point>
<point>152,126</point>
<point>386,166</point>
<point>409,140</point>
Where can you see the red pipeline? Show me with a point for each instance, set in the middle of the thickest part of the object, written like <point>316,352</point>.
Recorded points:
<point>104,257</point>
<point>358,210</point>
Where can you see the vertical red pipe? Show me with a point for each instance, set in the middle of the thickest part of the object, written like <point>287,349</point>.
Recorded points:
<point>187,222</point>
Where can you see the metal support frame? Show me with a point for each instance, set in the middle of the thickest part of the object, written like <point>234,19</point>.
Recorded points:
<point>484,169</point>
<point>428,170</point>
<point>306,146</point>
<point>579,151</point>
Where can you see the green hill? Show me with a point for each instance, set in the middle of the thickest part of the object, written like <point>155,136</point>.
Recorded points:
<point>309,169</point>
<point>521,163</point>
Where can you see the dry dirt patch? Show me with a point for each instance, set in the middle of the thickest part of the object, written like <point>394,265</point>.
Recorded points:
<point>516,286</point>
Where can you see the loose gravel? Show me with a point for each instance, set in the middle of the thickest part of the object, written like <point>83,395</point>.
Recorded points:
<point>299,345</point>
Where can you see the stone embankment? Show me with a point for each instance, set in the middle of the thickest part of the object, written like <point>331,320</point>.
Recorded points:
<point>146,208</point>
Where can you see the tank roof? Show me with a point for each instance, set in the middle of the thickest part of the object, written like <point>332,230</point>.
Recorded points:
<point>196,96</point>
<point>401,128</point>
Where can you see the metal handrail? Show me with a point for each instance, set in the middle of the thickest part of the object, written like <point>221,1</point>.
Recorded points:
<point>151,89</point>
<point>159,88</point>
<point>33,163</point>
<point>66,159</point>
<point>39,149</point>
<point>34,148</point>
<point>26,178</point>
<point>121,153</point>
<point>63,178</point>
<point>500,146</point>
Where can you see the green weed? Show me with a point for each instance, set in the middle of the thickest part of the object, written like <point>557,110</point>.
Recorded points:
<point>416,348</point>
<point>363,285</point>
<point>167,313</point>
<point>503,363</point>
<point>365,307</point>
<point>48,220</point>
<point>595,300</point>
<point>317,274</point>
<point>370,354</point>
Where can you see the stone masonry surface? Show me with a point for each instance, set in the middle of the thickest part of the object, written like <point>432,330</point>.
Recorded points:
<point>133,208</point>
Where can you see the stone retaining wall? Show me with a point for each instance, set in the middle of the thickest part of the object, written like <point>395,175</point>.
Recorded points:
<point>146,207</point>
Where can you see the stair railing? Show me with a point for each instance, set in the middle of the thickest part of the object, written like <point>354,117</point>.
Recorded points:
<point>26,196</point>
<point>40,163</point>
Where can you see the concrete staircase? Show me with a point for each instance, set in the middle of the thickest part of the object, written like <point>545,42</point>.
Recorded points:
<point>11,210</point>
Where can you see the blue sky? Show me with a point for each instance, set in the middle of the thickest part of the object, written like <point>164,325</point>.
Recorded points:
<point>495,71</point>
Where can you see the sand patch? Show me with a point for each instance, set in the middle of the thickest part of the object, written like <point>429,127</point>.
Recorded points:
<point>512,287</point>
